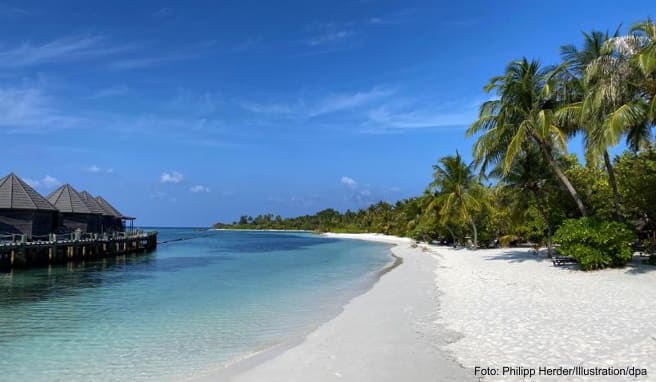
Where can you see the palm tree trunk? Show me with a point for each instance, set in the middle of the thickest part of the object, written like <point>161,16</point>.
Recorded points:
<point>613,185</point>
<point>475,233</point>
<point>453,236</point>
<point>562,177</point>
<point>543,212</point>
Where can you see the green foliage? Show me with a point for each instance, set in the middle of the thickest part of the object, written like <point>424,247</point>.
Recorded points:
<point>636,177</point>
<point>592,184</point>
<point>594,243</point>
<point>458,193</point>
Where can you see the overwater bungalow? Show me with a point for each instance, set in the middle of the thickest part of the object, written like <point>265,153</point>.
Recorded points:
<point>74,214</point>
<point>23,211</point>
<point>96,209</point>
<point>113,220</point>
<point>62,228</point>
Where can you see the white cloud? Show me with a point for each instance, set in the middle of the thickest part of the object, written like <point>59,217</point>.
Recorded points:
<point>46,182</point>
<point>199,188</point>
<point>29,108</point>
<point>417,119</point>
<point>349,182</point>
<point>63,49</point>
<point>340,102</point>
<point>400,116</point>
<point>171,177</point>
<point>355,194</point>
<point>331,103</point>
<point>329,35</point>
<point>98,170</point>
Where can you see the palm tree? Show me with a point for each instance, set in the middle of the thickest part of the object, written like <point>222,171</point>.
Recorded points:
<point>523,116</point>
<point>458,192</point>
<point>646,59</point>
<point>525,179</point>
<point>593,78</point>
<point>630,86</point>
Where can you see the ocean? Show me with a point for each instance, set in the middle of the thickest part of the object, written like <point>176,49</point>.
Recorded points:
<point>189,307</point>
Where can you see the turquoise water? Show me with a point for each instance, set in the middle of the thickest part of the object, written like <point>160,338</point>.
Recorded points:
<point>189,307</point>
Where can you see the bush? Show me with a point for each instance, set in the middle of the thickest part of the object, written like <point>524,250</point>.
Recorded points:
<point>595,244</point>
<point>509,240</point>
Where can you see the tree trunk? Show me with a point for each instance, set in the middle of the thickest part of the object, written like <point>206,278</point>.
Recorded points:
<point>540,206</point>
<point>613,186</point>
<point>453,236</point>
<point>562,177</point>
<point>475,232</point>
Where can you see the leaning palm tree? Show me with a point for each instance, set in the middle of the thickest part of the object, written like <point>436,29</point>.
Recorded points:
<point>522,116</point>
<point>597,92</point>
<point>458,193</point>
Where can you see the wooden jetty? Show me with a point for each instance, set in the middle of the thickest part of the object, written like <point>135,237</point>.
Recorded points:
<point>62,249</point>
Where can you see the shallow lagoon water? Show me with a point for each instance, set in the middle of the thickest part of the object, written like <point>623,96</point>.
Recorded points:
<point>191,306</point>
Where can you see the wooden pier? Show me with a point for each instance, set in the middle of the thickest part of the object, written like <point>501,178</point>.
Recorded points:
<point>58,250</point>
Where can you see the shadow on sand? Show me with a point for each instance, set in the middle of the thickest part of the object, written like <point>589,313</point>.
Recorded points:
<point>519,255</point>
<point>638,266</point>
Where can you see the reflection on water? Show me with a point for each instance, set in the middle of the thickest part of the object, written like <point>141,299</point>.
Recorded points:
<point>32,285</point>
<point>187,307</point>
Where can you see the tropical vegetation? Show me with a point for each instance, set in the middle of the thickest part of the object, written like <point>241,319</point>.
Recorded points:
<point>522,185</point>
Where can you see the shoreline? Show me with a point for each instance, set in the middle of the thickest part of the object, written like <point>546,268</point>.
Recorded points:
<point>444,311</point>
<point>375,336</point>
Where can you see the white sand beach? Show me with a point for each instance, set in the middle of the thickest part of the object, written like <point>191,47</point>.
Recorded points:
<point>443,312</point>
<point>517,309</point>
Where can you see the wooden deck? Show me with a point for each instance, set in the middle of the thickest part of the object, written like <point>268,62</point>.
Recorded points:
<point>62,251</point>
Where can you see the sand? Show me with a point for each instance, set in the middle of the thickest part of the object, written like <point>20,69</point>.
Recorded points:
<point>516,309</point>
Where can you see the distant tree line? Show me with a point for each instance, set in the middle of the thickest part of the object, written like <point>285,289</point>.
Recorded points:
<point>522,185</point>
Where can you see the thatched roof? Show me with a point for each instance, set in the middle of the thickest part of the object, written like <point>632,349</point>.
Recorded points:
<point>16,194</point>
<point>92,203</point>
<point>108,208</point>
<point>67,200</point>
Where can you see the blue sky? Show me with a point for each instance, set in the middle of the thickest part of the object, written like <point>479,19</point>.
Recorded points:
<point>192,112</point>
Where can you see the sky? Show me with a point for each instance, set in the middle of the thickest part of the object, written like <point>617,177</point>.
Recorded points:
<point>189,113</point>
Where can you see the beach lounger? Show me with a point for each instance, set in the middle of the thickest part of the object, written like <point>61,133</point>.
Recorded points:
<point>561,260</point>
